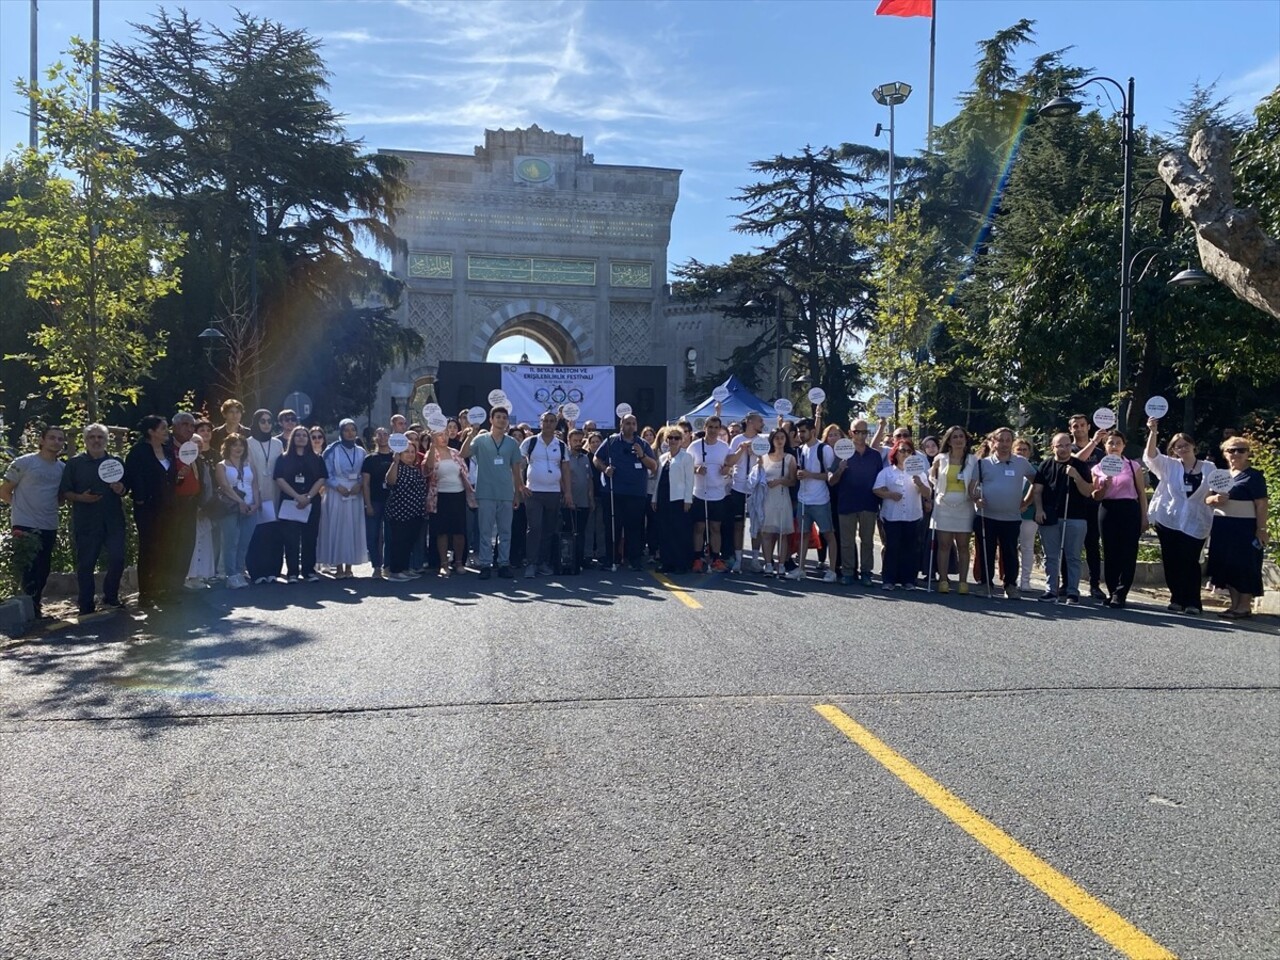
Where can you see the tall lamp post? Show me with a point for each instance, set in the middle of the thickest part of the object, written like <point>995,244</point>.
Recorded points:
<point>891,95</point>
<point>1064,106</point>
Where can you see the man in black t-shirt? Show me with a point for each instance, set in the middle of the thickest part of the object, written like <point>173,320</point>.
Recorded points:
<point>374,490</point>
<point>1090,451</point>
<point>97,518</point>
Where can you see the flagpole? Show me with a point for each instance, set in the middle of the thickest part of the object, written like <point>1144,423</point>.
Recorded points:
<point>933,46</point>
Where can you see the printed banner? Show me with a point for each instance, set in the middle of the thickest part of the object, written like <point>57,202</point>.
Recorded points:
<point>534,389</point>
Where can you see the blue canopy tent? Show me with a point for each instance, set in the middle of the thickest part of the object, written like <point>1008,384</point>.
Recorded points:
<point>739,403</point>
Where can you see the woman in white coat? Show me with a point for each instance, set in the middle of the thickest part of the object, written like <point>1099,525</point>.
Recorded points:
<point>671,501</point>
<point>1180,515</point>
<point>342,535</point>
<point>953,512</point>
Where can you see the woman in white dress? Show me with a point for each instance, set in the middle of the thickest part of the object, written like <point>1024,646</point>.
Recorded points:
<point>204,556</point>
<point>342,535</point>
<point>780,474</point>
<point>953,510</point>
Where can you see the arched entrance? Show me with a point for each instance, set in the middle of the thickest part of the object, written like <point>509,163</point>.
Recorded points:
<point>542,322</point>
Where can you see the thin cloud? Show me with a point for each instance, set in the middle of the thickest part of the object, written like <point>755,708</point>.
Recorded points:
<point>1247,91</point>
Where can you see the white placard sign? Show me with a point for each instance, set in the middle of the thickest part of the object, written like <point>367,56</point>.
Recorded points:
<point>1111,465</point>
<point>760,446</point>
<point>1157,407</point>
<point>1104,417</point>
<point>845,448</point>
<point>437,422</point>
<point>817,395</point>
<point>110,471</point>
<point>431,409</point>
<point>497,398</point>
<point>398,443</point>
<point>782,406</point>
<point>1220,481</point>
<point>623,410</point>
<point>475,416</point>
<point>188,452</point>
<point>720,394</point>
<point>572,411</point>
<point>917,464</point>
<point>884,409</point>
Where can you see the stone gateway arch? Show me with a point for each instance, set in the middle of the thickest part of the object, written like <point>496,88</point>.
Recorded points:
<point>530,236</point>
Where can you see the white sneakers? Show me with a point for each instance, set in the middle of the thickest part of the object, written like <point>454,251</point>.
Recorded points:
<point>829,577</point>
<point>796,574</point>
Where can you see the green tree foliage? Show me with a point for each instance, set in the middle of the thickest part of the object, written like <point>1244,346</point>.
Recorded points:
<point>249,158</point>
<point>91,254</point>
<point>810,259</point>
<point>1257,165</point>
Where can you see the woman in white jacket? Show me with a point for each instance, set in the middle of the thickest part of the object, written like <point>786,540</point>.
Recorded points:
<point>1181,517</point>
<point>671,501</point>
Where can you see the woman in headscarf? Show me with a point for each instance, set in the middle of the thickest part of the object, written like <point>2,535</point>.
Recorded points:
<point>264,546</point>
<point>342,533</point>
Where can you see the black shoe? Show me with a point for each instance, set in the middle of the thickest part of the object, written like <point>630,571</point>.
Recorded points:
<point>486,573</point>
<point>1095,593</point>
<point>1116,602</point>
<point>1193,612</point>
<point>1049,596</point>
<point>84,611</point>
<point>117,603</point>
<point>504,572</point>
<point>637,566</point>
<point>1071,598</point>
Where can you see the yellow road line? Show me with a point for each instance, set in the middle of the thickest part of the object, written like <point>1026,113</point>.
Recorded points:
<point>1082,905</point>
<point>681,595</point>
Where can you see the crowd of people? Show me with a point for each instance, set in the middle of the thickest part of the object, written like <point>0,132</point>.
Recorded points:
<point>274,501</point>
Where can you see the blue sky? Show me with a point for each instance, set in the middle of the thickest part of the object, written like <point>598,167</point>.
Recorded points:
<point>703,86</point>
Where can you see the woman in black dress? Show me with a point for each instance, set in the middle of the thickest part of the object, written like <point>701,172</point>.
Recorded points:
<point>1239,535</point>
<point>150,472</point>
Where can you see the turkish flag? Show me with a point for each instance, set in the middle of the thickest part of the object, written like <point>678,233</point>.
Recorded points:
<point>905,8</point>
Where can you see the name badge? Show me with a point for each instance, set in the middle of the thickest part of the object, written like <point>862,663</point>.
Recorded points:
<point>638,466</point>
<point>299,480</point>
<point>497,461</point>
<point>1009,473</point>
<point>1187,488</point>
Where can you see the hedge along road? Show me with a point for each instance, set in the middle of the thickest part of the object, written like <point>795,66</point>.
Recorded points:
<point>600,770</point>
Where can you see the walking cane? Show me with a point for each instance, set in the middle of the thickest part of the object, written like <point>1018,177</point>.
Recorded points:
<point>613,513</point>
<point>933,549</point>
<point>982,523</point>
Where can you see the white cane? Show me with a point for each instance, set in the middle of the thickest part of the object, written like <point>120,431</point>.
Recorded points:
<point>982,524</point>
<point>613,514</point>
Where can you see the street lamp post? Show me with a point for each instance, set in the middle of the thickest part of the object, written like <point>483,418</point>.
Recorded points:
<point>754,304</point>
<point>890,95</point>
<point>1062,106</point>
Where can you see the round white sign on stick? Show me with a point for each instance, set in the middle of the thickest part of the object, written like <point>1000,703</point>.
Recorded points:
<point>623,410</point>
<point>110,471</point>
<point>917,464</point>
<point>188,452</point>
<point>1111,465</point>
<point>844,448</point>
<point>398,443</point>
<point>1220,481</point>
<point>431,408</point>
<point>1157,407</point>
<point>572,411</point>
<point>720,394</point>
<point>884,409</point>
<point>1104,417</point>
<point>437,422</point>
<point>782,406</point>
<point>760,446</point>
<point>817,395</point>
<point>475,416</point>
<point>497,398</point>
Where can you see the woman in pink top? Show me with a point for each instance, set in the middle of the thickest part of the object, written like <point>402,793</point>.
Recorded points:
<point>1122,518</point>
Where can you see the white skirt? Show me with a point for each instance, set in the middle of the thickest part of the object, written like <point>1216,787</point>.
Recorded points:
<point>203,557</point>
<point>953,513</point>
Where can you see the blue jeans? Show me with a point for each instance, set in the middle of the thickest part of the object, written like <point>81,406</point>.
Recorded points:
<point>375,535</point>
<point>236,531</point>
<point>495,520</point>
<point>1065,536</point>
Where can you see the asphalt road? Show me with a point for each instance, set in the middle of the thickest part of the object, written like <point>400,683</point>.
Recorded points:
<point>602,767</point>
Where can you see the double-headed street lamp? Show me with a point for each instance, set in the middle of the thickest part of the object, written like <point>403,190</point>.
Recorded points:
<point>890,95</point>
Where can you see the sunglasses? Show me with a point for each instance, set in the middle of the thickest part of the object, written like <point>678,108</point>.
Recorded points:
<point>860,433</point>
<point>1236,450</point>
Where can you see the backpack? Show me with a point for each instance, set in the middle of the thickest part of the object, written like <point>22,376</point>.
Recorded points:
<point>532,444</point>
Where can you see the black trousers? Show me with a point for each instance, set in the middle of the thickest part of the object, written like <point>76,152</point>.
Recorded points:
<point>1120,525</point>
<point>265,546</point>
<point>576,521</point>
<point>628,526</point>
<point>90,540</point>
<point>151,525</point>
<point>901,551</point>
<point>675,535</point>
<point>1180,557</point>
<point>401,536</point>
<point>36,573</point>
<point>299,547</point>
<point>1002,534</point>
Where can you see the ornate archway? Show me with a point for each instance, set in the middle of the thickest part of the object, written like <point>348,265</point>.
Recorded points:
<point>546,324</point>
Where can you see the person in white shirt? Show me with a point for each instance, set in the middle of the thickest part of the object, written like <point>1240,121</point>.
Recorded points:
<point>901,510</point>
<point>672,501</point>
<point>739,489</point>
<point>546,483</point>
<point>712,462</point>
<point>1180,515</point>
<point>816,463</point>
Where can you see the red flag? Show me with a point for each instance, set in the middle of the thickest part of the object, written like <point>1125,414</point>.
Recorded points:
<point>905,8</point>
